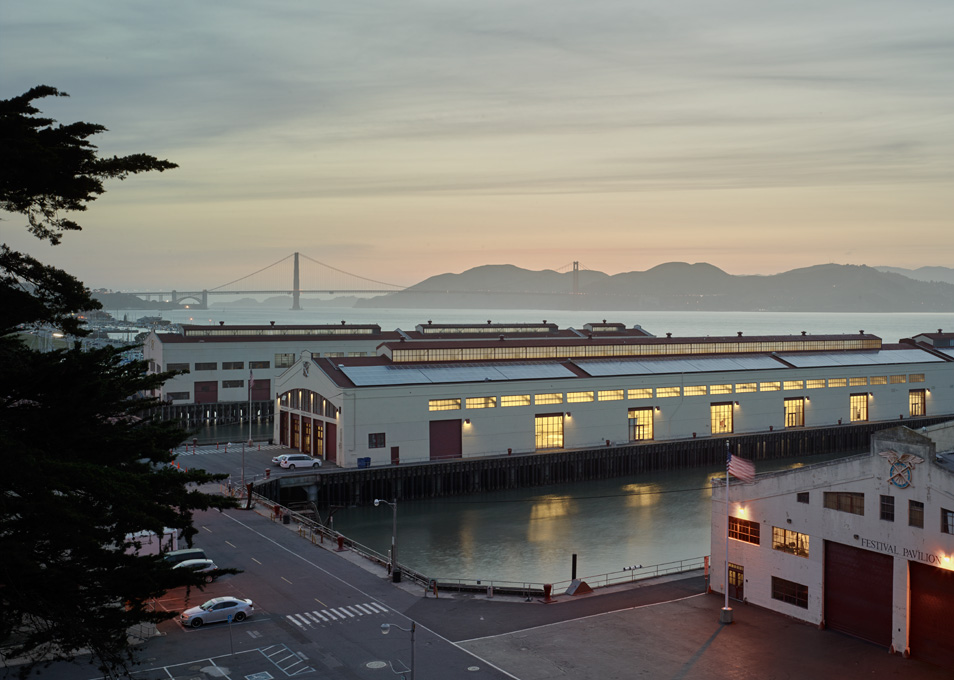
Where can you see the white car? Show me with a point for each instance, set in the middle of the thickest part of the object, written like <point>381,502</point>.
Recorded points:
<point>299,460</point>
<point>217,609</point>
<point>280,457</point>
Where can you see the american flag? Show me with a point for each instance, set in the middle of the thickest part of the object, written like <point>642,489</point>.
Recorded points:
<point>740,468</point>
<point>251,379</point>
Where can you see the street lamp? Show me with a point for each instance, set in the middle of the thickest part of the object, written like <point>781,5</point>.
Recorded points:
<point>386,628</point>
<point>395,574</point>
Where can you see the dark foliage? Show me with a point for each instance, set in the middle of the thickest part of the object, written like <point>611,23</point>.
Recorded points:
<point>83,470</point>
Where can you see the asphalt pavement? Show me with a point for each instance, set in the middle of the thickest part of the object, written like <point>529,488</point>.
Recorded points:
<point>319,614</point>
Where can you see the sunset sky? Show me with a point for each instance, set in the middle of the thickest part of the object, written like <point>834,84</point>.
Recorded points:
<point>399,140</point>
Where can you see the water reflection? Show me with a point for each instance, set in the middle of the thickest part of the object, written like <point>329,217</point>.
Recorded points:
<point>531,535</point>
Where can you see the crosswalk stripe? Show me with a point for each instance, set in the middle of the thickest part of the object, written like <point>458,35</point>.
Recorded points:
<point>311,617</point>
<point>307,622</point>
<point>365,608</point>
<point>342,612</point>
<point>319,615</point>
<point>375,605</point>
<point>294,620</point>
<point>332,616</point>
<point>350,609</point>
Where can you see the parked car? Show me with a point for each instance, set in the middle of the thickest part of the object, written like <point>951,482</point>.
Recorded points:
<point>280,457</point>
<point>217,609</point>
<point>177,556</point>
<point>206,567</point>
<point>299,460</point>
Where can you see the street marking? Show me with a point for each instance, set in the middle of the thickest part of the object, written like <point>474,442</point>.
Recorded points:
<point>320,602</point>
<point>375,605</point>
<point>312,617</point>
<point>365,608</point>
<point>207,529</point>
<point>332,616</point>
<point>350,609</point>
<point>233,545</point>
<point>319,615</point>
<point>287,581</point>
<point>341,611</point>
<point>294,620</point>
<point>255,561</point>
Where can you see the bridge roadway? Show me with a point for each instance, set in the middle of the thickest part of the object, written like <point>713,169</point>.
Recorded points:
<point>319,614</point>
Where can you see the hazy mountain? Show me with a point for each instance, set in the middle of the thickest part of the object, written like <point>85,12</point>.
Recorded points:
<point>677,286</point>
<point>944,274</point>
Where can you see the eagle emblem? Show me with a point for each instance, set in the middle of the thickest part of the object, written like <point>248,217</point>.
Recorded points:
<point>901,467</point>
<point>304,369</point>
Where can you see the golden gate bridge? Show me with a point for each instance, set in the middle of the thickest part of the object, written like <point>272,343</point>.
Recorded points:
<point>322,279</point>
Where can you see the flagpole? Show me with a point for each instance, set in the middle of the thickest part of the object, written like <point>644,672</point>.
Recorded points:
<point>251,379</point>
<point>726,615</point>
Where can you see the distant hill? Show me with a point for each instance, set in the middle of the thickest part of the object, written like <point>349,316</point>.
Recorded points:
<point>676,286</point>
<point>943,274</point>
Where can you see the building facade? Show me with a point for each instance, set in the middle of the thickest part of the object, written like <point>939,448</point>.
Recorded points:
<point>420,401</point>
<point>863,545</point>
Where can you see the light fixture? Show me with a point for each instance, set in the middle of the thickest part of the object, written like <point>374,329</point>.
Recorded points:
<point>658,409</point>
<point>736,403</point>
<point>466,421</point>
<point>569,415</point>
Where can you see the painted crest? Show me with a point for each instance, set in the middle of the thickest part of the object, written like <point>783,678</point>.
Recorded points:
<point>304,369</point>
<point>901,467</point>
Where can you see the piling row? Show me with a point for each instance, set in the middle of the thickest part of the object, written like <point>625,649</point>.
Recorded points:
<point>462,476</point>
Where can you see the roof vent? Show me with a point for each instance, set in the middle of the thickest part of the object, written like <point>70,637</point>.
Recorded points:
<point>342,322</point>
<point>861,332</point>
<point>221,323</point>
<point>604,320</point>
<point>668,335</point>
<point>501,338</point>
<point>488,322</point>
<point>429,322</point>
<point>272,322</point>
<point>804,333</point>
<point>740,334</point>
<point>939,331</point>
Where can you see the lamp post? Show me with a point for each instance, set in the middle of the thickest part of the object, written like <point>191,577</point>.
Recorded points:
<point>395,574</point>
<point>386,628</point>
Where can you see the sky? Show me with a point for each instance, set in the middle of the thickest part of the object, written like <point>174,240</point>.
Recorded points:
<point>401,140</point>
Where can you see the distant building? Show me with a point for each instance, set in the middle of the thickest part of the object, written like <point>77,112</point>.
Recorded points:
<point>419,400</point>
<point>863,545</point>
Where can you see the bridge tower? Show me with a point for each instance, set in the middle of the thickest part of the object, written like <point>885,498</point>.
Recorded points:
<point>296,287</point>
<point>576,278</point>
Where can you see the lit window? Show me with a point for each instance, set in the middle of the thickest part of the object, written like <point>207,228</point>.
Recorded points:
<point>859,407</point>
<point>744,530</point>
<point>552,398</point>
<point>857,382</point>
<point>745,387</point>
<point>916,377</point>
<point>917,402</point>
<point>793,385</point>
<point>549,431</point>
<point>641,424</point>
<point>721,417</point>
<point>480,402</point>
<point>770,386</point>
<point>815,383</point>
<point>694,390</point>
<point>795,412</point>
<point>574,398</point>
<point>610,395</point>
<point>879,380</point>
<point>897,379</point>
<point>947,521</point>
<point>838,382</point>
<point>515,400</point>
<point>640,393</point>
<point>721,389</point>
<point>663,392</point>
<point>790,541</point>
<point>443,405</point>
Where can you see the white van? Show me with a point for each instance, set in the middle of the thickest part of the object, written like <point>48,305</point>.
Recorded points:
<point>300,460</point>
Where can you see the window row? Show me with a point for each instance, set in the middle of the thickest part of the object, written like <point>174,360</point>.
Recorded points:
<point>854,502</point>
<point>794,406</point>
<point>226,365</point>
<point>308,401</point>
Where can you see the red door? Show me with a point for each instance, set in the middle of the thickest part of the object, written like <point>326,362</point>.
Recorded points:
<point>207,392</point>
<point>395,455</point>
<point>283,428</point>
<point>932,614</point>
<point>331,442</point>
<point>262,390</point>
<point>446,439</point>
<point>858,592</point>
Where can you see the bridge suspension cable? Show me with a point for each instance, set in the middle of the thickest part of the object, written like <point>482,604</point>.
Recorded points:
<point>357,276</point>
<point>253,273</point>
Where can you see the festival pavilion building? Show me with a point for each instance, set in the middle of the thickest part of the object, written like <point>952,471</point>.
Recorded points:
<point>863,545</point>
<point>423,400</point>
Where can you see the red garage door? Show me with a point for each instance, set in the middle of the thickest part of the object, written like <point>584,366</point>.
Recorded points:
<point>446,439</point>
<point>206,392</point>
<point>858,589</point>
<point>932,614</point>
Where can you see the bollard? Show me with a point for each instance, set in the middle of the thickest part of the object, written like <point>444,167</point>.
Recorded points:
<point>340,543</point>
<point>268,473</point>
<point>216,446</point>
<point>547,589</point>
